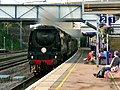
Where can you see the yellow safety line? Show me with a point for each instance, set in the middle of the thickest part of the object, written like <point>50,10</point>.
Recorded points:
<point>116,84</point>
<point>67,75</point>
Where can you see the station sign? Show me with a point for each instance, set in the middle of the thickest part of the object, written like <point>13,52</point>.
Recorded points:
<point>111,19</point>
<point>103,19</point>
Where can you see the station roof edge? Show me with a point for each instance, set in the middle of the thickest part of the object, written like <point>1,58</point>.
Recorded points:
<point>41,4</point>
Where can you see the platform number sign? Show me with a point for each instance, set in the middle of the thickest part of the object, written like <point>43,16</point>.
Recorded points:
<point>103,19</point>
<point>111,19</point>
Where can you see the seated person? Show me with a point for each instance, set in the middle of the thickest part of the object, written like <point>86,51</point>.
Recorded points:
<point>91,57</point>
<point>115,62</point>
<point>101,53</point>
<point>105,52</point>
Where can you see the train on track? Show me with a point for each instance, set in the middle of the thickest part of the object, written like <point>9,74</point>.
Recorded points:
<point>48,47</point>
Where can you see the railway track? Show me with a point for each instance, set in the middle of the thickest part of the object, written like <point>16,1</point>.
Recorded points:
<point>15,64</point>
<point>13,60</point>
<point>23,85</point>
<point>12,52</point>
<point>12,63</point>
<point>6,57</point>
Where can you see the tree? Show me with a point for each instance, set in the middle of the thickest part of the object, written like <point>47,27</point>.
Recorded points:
<point>7,25</point>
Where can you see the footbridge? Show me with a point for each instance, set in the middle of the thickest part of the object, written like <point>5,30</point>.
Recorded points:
<point>34,12</point>
<point>44,13</point>
<point>80,12</point>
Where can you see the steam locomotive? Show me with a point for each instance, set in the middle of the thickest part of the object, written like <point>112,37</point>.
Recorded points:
<point>48,47</point>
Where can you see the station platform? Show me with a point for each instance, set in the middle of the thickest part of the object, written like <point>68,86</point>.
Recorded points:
<point>76,76</point>
<point>82,78</point>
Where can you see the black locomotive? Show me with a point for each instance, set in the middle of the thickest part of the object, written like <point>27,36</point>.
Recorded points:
<point>48,47</point>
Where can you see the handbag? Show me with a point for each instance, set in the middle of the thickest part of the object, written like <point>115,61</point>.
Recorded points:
<point>114,69</point>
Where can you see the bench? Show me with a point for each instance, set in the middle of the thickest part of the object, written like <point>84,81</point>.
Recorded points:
<point>104,58</point>
<point>109,71</point>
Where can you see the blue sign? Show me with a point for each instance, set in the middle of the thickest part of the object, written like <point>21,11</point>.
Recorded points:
<point>111,19</point>
<point>103,19</point>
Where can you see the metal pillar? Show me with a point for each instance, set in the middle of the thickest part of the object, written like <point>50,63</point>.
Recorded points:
<point>107,56</point>
<point>21,35</point>
<point>107,33</point>
<point>97,45</point>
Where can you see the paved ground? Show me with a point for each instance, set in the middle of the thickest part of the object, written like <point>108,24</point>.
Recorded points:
<point>82,78</point>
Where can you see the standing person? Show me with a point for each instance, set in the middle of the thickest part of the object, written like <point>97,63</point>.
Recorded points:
<point>115,62</point>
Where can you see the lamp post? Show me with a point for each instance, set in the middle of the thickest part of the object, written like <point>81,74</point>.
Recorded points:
<point>4,42</point>
<point>97,44</point>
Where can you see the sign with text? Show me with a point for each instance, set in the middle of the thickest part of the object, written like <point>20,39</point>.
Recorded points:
<point>111,19</point>
<point>103,19</point>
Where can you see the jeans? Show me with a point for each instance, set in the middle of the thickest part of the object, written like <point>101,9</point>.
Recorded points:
<point>102,71</point>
